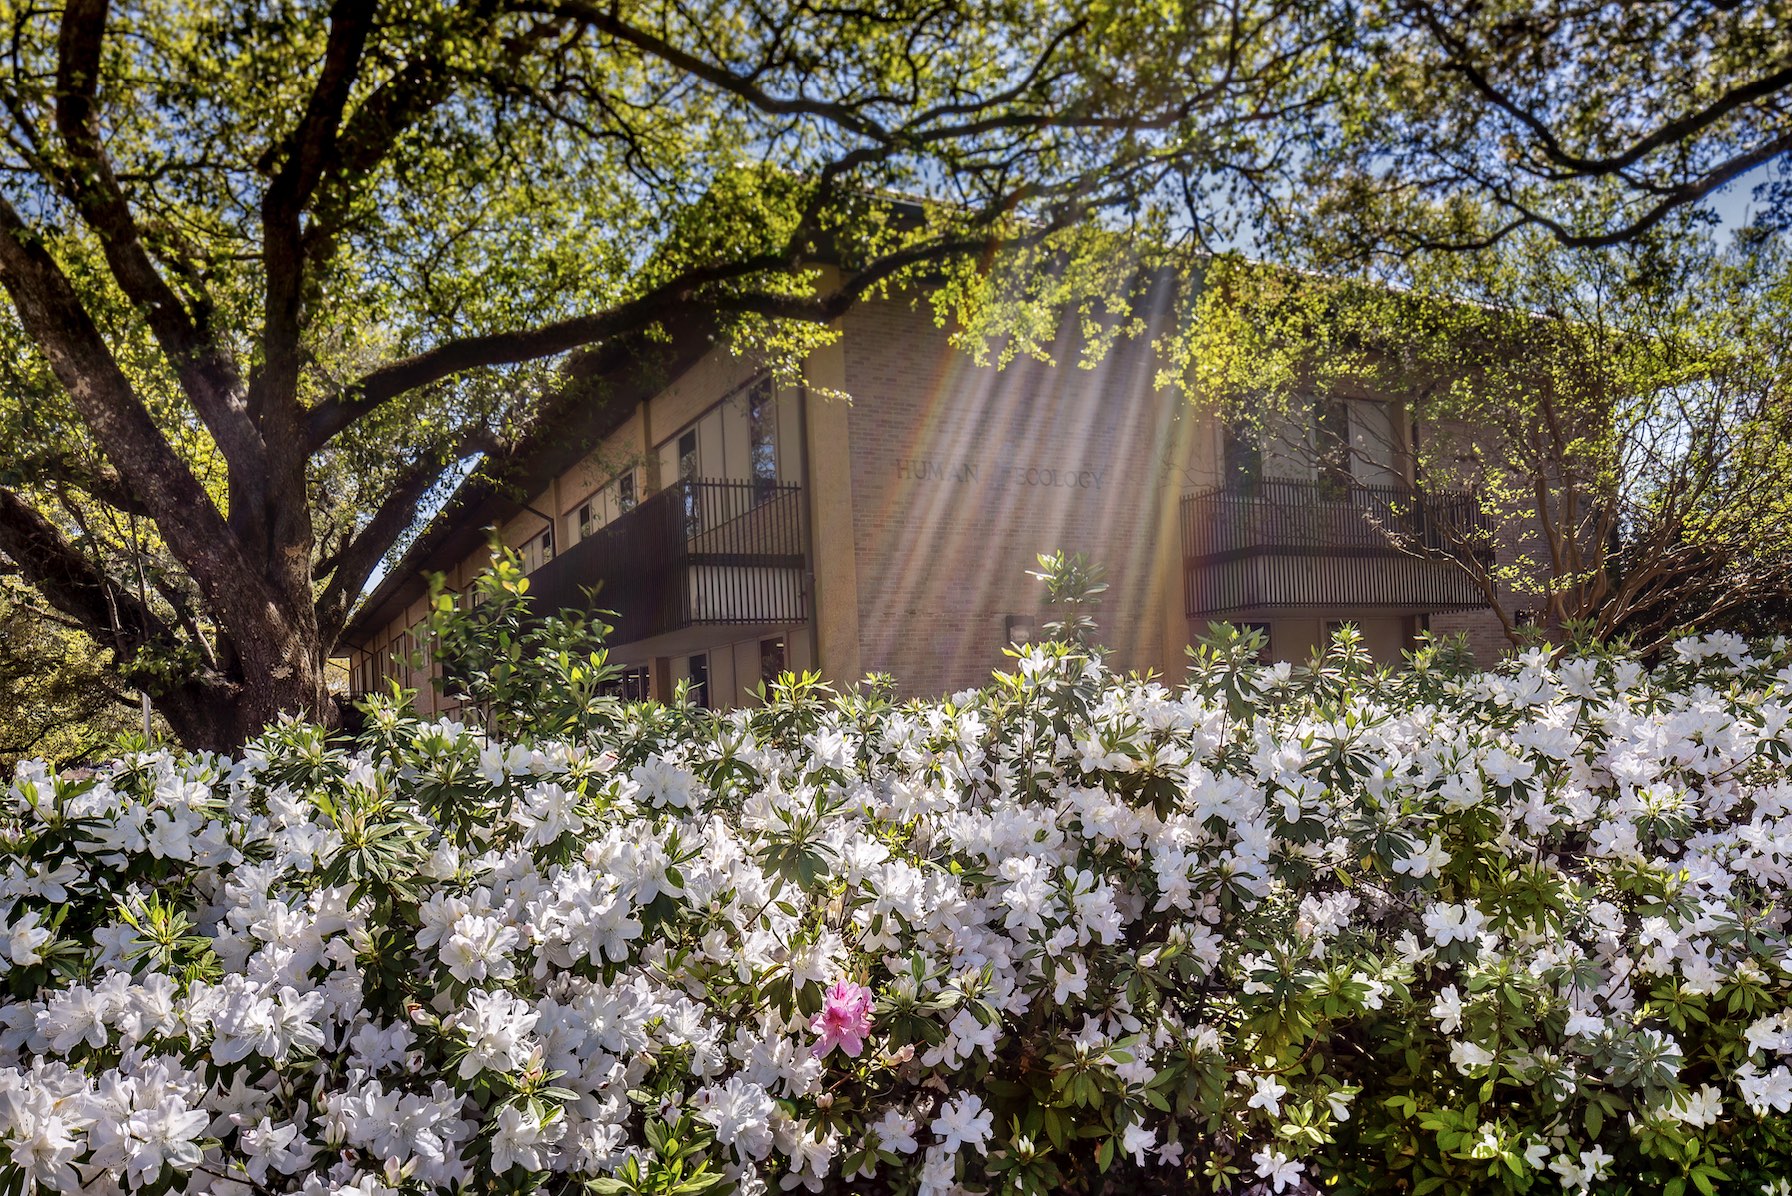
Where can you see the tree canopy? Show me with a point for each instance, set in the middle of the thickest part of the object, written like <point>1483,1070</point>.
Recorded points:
<point>60,697</point>
<point>275,269</point>
<point>1592,121</point>
<point>279,272</point>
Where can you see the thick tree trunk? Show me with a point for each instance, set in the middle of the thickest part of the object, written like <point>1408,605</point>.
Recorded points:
<point>198,722</point>
<point>293,685</point>
<point>277,665</point>
<point>220,715</point>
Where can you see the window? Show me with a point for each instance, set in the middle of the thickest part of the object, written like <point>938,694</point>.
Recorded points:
<point>687,456</point>
<point>687,472</point>
<point>631,685</point>
<point>1331,438</point>
<point>538,551</point>
<point>605,505</point>
<point>1243,466</point>
<point>1375,443</point>
<point>1264,654</point>
<point>762,423</point>
<point>771,659</point>
<point>636,684</point>
<point>700,680</point>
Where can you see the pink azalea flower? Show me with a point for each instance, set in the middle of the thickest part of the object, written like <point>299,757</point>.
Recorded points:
<point>844,1020</point>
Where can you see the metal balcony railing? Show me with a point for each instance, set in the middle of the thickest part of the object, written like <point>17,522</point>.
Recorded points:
<point>1321,545</point>
<point>698,551</point>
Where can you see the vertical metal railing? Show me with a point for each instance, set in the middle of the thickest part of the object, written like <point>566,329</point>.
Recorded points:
<point>699,551</point>
<point>1292,516</point>
<point>1303,544</point>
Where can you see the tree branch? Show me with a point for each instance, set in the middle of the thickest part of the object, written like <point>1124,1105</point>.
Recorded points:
<point>206,372</point>
<point>102,483</point>
<point>1666,134</point>
<point>68,580</point>
<point>673,298</point>
<point>1672,199</point>
<point>607,21</point>
<point>354,563</point>
<point>306,152</point>
<point>53,316</point>
<point>682,296</point>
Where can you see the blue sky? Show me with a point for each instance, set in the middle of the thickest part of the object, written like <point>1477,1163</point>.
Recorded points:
<point>1735,203</point>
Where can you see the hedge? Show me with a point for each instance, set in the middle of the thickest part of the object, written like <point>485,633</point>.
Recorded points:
<point>1334,928</point>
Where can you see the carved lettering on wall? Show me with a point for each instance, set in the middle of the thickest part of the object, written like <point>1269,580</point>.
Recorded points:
<point>1062,477</point>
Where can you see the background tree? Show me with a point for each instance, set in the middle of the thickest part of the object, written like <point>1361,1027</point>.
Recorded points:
<point>277,272</point>
<point>60,695</point>
<point>1592,121</point>
<point>1630,410</point>
<point>1514,208</point>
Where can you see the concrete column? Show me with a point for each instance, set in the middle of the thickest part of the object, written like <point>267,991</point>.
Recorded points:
<point>833,559</point>
<point>650,463</point>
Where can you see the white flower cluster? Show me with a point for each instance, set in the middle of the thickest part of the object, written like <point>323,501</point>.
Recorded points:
<point>1514,926</point>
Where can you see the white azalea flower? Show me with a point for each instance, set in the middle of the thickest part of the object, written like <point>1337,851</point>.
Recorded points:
<point>1277,1169</point>
<point>962,1122</point>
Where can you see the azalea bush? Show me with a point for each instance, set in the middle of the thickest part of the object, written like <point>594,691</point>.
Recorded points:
<point>1273,929</point>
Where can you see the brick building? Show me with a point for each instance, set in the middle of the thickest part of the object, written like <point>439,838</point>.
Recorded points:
<point>739,527</point>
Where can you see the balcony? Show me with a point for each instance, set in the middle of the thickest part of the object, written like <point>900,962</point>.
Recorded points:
<point>1330,548</point>
<point>698,552</point>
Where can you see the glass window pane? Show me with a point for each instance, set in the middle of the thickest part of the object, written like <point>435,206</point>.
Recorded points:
<point>700,680</point>
<point>762,416</point>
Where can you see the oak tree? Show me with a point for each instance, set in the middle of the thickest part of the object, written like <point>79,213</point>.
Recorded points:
<point>280,271</point>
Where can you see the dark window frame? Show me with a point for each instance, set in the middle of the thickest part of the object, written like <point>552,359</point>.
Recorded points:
<point>697,666</point>
<point>770,650</point>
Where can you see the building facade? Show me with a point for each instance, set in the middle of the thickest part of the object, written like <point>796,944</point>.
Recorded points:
<point>738,527</point>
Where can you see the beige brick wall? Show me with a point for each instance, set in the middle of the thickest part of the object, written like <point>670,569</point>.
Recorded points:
<point>1486,639</point>
<point>962,473</point>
